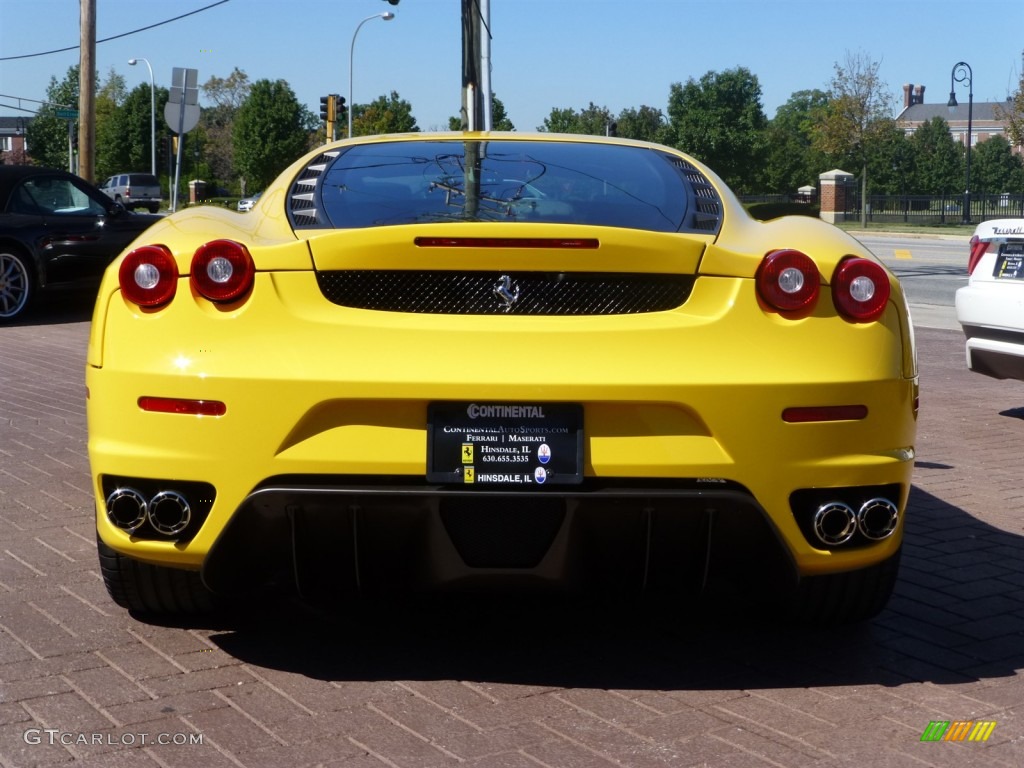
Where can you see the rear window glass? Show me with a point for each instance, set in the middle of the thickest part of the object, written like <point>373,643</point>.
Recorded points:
<point>143,180</point>
<point>425,181</point>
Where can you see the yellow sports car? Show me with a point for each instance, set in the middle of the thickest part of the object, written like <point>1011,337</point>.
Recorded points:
<point>501,362</point>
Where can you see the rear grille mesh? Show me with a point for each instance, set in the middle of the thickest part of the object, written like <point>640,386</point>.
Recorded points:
<point>480,293</point>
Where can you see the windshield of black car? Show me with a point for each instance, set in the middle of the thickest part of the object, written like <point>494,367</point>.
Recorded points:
<point>407,182</point>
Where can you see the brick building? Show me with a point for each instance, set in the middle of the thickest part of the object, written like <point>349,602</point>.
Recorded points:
<point>13,147</point>
<point>984,122</point>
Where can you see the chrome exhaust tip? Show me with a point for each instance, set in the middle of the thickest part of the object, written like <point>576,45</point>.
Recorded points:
<point>835,523</point>
<point>169,513</point>
<point>126,508</point>
<point>878,518</point>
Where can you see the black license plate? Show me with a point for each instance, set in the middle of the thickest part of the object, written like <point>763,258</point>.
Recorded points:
<point>1010,262</point>
<point>512,446</point>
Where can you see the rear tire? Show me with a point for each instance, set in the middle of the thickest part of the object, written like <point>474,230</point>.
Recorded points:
<point>152,589</point>
<point>17,284</point>
<point>846,598</point>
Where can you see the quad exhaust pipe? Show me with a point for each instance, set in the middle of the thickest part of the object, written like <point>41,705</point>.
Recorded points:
<point>167,512</point>
<point>835,522</point>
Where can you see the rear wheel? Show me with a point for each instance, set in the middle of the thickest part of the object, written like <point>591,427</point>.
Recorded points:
<point>845,598</point>
<point>153,589</point>
<point>17,286</point>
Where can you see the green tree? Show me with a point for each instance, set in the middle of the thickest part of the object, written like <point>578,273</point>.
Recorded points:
<point>592,121</point>
<point>791,161</point>
<point>857,120</point>
<point>123,138</point>
<point>47,134</point>
<point>890,162</point>
<point>643,124</point>
<point>226,96</point>
<point>499,118</point>
<point>560,121</point>
<point>269,132</point>
<point>936,160</point>
<point>995,169</point>
<point>719,120</point>
<point>109,99</point>
<point>387,114</point>
<point>1012,115</point>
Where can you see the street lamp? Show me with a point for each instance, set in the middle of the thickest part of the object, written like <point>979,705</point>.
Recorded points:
<point>962,71</point>
<point>152,114</point>
<point>387,16</point>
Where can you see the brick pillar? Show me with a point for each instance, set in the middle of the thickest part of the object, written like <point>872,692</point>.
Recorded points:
<point>833,195</point>
<point>196,191</point>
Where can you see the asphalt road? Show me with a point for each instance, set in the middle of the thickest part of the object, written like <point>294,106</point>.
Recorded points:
<point>493,684</point>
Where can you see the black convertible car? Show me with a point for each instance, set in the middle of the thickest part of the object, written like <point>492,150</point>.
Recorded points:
<point>55,228</point>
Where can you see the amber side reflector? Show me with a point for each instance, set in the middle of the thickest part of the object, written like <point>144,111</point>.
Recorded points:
<point>506,242</point>
<point>825,413</point>
<point>187,407</point>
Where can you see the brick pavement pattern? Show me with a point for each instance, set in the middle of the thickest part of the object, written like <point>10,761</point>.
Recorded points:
<point>494,685</point>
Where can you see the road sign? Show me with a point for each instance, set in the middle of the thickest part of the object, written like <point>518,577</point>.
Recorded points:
<point>178,122</point>
<point>67,114</point>
<point>184,86</point>
<point>182,108</point>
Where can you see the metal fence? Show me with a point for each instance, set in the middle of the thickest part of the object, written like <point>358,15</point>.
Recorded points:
<point>927,209</point>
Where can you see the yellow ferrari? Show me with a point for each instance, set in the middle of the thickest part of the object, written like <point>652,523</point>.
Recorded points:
<point>500,362</point>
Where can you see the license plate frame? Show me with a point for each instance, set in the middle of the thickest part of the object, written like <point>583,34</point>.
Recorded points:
<point>1010,262</point>
<point>513,446</point>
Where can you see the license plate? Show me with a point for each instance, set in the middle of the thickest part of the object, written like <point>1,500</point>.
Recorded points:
<point>1010,262</point>
<point>512,446</point>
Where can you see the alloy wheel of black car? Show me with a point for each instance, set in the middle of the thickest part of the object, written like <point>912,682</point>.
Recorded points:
<point>16,287</point>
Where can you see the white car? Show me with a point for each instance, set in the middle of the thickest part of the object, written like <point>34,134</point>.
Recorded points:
<point>991,306</point>
<point>246,203</point>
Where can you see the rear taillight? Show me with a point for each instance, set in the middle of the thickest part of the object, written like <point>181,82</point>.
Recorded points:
<point>860,289</point>
<point>148,276</point>
<point>788,281</point>
<point>222,270</point>
<point>978,249</point>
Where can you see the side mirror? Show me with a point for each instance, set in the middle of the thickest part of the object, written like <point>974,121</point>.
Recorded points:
<point>116,209</point>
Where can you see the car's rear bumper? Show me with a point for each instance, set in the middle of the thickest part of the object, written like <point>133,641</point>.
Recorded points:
<point>995,352</point>
<point>990,314</point>
<point>325,404</point>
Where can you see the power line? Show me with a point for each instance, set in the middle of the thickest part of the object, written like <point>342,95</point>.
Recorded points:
<point>115,37</point>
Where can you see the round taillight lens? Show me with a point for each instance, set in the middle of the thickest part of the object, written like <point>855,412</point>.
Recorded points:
<point>222,270</point>
<point>148,276</point>
<point>788,281</point>
<point>860,289</point>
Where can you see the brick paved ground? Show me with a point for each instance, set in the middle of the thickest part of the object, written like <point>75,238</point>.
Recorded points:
<point>83,683</point>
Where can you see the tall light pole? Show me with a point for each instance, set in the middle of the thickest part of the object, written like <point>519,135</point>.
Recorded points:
<point>961,72</point>
<point>387,16</point>
<point>152,114</point>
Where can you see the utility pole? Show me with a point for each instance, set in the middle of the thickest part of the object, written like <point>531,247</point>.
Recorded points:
<point>87,90</point>
<point>472,81</point>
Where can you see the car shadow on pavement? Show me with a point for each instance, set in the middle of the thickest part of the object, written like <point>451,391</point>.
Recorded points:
<point>957,616</point>
<point>71,304</point>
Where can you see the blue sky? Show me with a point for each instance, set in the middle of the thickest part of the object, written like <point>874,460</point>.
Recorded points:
<point>545,53</point>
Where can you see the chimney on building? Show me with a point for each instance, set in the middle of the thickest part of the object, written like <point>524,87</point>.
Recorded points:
<point>908,97</point>
<point>919,95</point>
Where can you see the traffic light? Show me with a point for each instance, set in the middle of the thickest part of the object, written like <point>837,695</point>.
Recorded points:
<point>340,108</point>
<point>325,108</point>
